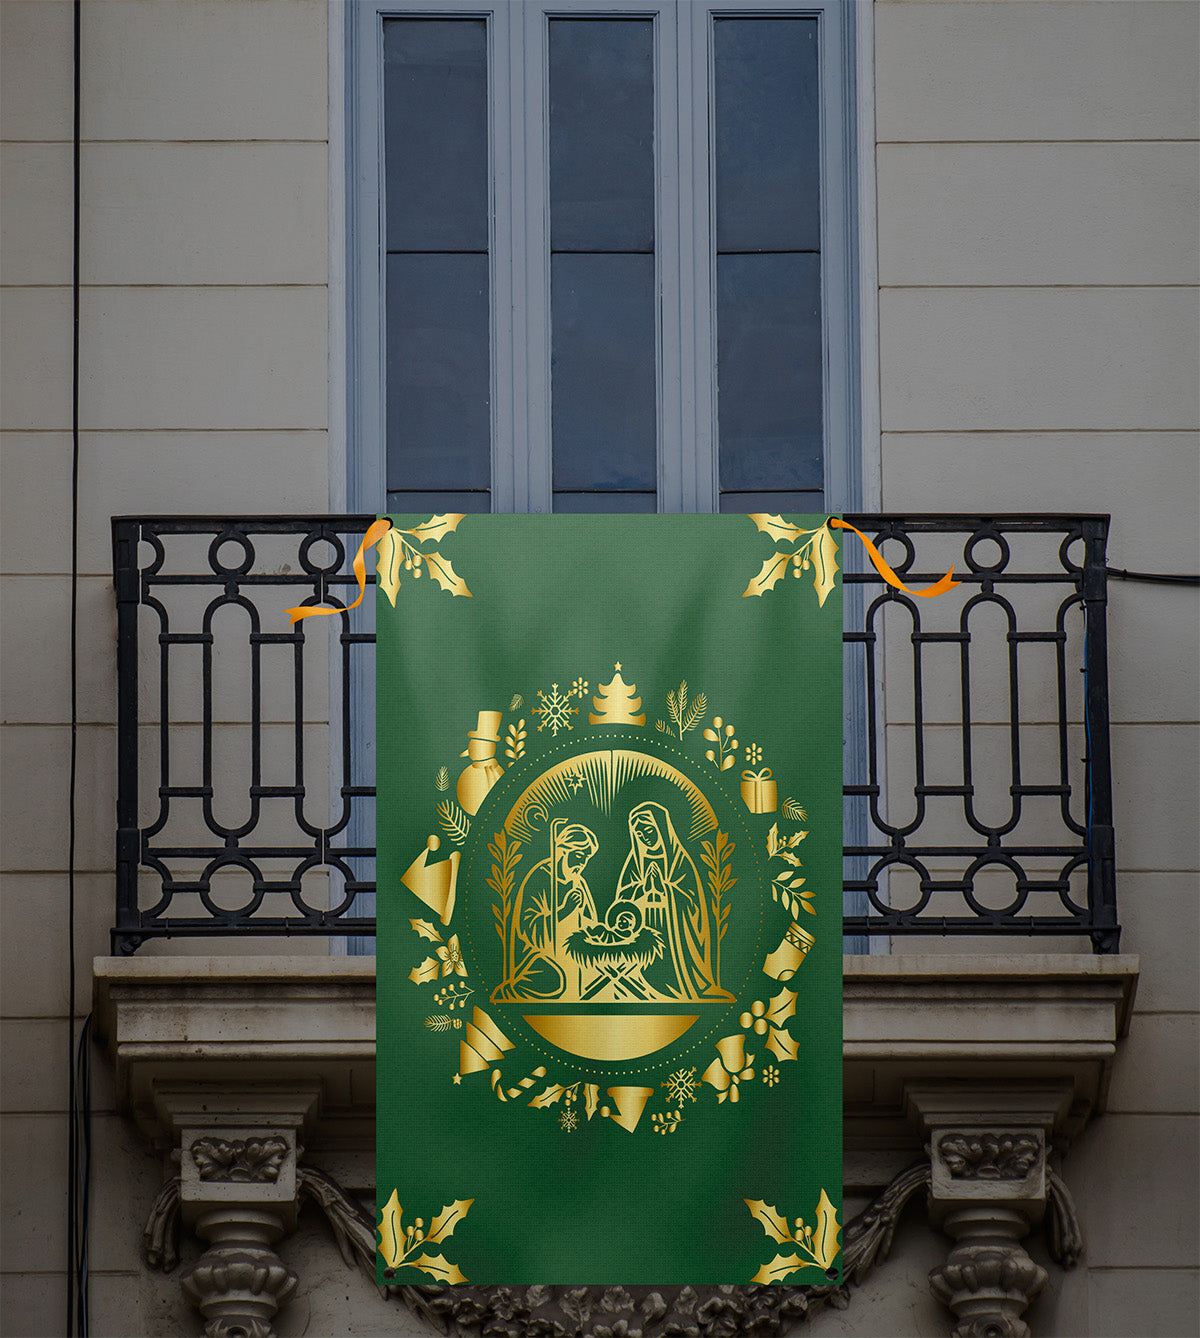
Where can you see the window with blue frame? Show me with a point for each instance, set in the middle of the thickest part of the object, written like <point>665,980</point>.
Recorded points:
<point>613,278</point>
<point>602,258</point>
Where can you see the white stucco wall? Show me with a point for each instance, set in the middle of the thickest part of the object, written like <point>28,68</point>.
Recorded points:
<point>1037,204</point>
<point>1037,220</point>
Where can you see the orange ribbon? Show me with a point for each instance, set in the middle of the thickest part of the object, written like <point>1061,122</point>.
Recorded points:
<point>940,587</point>
<point>376,532</point>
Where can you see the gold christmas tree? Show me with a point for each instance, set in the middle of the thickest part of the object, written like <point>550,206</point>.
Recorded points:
<point>616,704</point>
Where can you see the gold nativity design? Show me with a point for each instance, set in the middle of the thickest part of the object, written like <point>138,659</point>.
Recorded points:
<point>613,887</point>
<point>652,943</point>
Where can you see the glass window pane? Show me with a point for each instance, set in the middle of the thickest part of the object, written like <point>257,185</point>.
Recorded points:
<point>438,372</point>
<point>436,125</point>
<point>603,369</point>
<point>438,503</point>
<point>769,371</point>
<point>773,503</point>
<point>604,503</point>
<point>601,134</point>
<point>766,141</point>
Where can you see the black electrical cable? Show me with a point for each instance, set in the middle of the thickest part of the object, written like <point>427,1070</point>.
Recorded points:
<point>83,1162</point>
<point>78,1168</point>
<point>1163,577</point>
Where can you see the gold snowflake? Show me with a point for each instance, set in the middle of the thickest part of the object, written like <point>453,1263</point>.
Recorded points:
<point>568,1121</point>
<point>681,1086</point>
<point>554,711</point>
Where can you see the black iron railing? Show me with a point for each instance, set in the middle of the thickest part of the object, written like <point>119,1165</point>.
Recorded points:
<point>978,794</point>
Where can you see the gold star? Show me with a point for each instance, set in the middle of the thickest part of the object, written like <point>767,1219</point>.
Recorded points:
<point>617,666</point>
<point>457,1080</point>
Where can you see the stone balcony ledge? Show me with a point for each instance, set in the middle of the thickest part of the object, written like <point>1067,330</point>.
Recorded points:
<point>981,1021</point>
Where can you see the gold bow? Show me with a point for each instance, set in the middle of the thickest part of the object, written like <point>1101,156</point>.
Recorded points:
<point>734,1066</point>
<point>764,774</point>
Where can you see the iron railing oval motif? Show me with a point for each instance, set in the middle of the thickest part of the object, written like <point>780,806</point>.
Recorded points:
<point>1044,868</point>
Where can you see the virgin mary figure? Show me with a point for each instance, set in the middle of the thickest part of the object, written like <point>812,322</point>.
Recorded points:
<point>660,878</point>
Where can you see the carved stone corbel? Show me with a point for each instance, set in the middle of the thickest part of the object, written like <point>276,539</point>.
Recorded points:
<point>238,1190</point>
<point>990,1185</point>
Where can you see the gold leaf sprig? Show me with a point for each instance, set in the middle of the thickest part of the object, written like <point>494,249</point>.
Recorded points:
<point>454,995</point>
<point>505,853</point>
<point>454,820</point>
<point>402,550</point>
<point>819,1241</point>
<point>716,855</point>
<point>817,552</point>
<point>441,779</point>
<point>794,812</point>
<point>514,743</point>
<point>684,716</point>
<point>398,1243</point>
<point>785,887</point>
<point>721,734</point>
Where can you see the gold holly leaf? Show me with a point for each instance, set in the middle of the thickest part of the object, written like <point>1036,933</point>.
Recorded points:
<point>445,1222</point>
<point>426,930</point>
<point>591,1098</point>
<point>548,1097</point>
<point>429,970</point>
<point>825,1237</point>
<point>439,1267</point>
<point>436,527</point>
<point>770,1219</point>
<point>783,1006</point>
<point>390,1232</point>
<point>824,560</point>
<point>780,1267</point>
<point>793,860</point>
<point>777,527</point>
<point>442,571</point>
<point>773,570</point>
<point>389,562</point>
<point>782,1045</point>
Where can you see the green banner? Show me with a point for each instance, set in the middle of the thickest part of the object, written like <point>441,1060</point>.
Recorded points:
<point>610,900</point>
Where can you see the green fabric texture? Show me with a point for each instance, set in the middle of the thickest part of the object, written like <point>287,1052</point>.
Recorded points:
<point>609,994</point>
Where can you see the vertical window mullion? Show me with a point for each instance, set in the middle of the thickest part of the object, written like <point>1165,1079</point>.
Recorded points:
<point>697,321</point>
<point>534,451</point>
<point>506,124</point>
<point>670,175</point>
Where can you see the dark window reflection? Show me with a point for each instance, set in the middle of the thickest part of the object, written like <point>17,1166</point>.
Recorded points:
<point>437,301</point>
<point>769,328</point>
<point>602,276</point>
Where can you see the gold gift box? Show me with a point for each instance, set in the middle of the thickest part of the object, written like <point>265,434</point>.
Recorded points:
<point>758,791</point>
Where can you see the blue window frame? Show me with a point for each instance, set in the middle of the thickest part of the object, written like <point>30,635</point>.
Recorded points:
<point>604,257</point>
